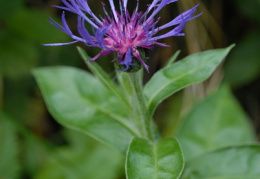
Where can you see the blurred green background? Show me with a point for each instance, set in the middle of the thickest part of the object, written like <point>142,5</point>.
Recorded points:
<point>33,145</point>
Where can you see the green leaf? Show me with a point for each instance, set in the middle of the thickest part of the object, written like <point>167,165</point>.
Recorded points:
<point>154,160</point>
<point>9,161</point>
<point>215,122</point>
<point>192,69</point>
<point>85,160</point>
<point>80,101</point>
<point>240,162</point>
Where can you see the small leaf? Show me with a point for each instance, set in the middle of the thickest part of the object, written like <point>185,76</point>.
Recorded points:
<point>192,69</point>
<point>80,101</point>
<point>173,58</point>
<point>9,161</point>
<point>215,122</point>
<point>154,160</point>
<point>240,162</point>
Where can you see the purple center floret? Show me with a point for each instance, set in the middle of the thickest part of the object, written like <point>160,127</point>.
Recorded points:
<point>121,32</point>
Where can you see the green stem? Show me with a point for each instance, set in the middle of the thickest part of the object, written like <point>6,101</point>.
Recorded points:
<point>146,121</point>
<point>132,85</point>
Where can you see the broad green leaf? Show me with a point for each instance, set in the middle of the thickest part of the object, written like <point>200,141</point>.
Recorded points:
<point>237,162</point>
<point>9,161</point>
<point>85,160</point>
<point>192,69</point>
<point>80,101</point>
<point>154,160</point>
<point>215,122</point>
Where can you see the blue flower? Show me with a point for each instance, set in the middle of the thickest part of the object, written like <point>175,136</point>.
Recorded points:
<point>119,31</point>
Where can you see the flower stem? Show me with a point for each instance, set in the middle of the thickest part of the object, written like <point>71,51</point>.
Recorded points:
<point>132,85</point>
<point>146,121</point>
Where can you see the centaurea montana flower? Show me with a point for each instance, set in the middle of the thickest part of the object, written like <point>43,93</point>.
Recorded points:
<point>121,32</point>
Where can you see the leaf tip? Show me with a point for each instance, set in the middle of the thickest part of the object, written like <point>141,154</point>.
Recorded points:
<point>173,58</point>
<point>231,46</point>
<point>34,72</point>
<point>83,54</point>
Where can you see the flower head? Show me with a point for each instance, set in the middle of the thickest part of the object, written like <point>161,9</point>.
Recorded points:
<point>119,31</point>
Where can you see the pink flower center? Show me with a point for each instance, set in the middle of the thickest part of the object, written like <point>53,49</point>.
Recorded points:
<point>123,36</point>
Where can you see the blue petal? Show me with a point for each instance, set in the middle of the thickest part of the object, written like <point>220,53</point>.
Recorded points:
<point>113,9</point>
<point>84,32</point>
<point>65,25</point>
<point>187,15</point>
<point>175,32</point>
<point>74,7</point>
<point>160,6</point>
<point>59,44</point>
<point>100,34</point>
<point>128,60</point>
<point>125,3</point>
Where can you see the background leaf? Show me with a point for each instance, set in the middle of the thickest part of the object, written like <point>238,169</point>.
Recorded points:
<point>241,162</point>
<point>9,7</point>
<point>82,158</point>
<point>25,22</point>
<point>154,160</point>
<point>80,101</point>
<point>17,55</point>
<point>215,122</point>
<point>250,9</point>
<point>244,61</point>
<point>192,69</point>
<point>9,161</point>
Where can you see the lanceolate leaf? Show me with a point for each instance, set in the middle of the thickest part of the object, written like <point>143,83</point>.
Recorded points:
<point>215,122</point>
<point>241,162</point>
<point>80,101</point>
<point>154,160</point>
<point>192,69</point>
